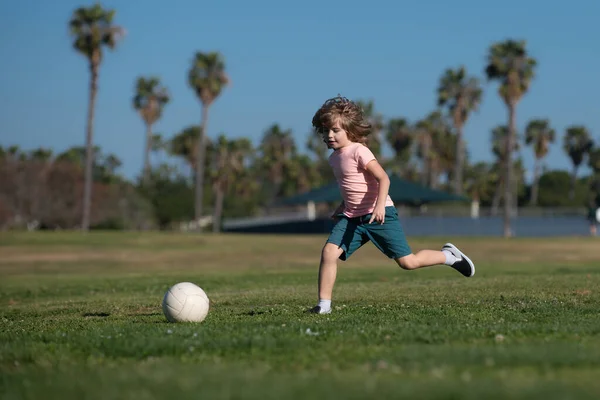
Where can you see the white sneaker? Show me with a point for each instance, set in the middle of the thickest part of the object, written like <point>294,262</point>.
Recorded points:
<point>318,310</point>
<point>463,264</point>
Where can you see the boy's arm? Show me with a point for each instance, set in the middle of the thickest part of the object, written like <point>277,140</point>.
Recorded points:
<point>384,181</point>
<point>384,186</point>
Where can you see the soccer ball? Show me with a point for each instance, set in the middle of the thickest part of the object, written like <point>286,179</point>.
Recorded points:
<point>185,302</point>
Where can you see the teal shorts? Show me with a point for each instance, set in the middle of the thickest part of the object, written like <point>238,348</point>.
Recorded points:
<point>350,234</point>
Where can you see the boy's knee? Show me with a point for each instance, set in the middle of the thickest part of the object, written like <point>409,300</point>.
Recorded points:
<point>409,262</point>
<point>331,252</point>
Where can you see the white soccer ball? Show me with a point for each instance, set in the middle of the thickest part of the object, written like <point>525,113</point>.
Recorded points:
<point>185,302</point>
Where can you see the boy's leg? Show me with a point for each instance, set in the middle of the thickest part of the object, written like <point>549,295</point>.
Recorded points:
<point>423,258</point>
<point>345,239</point>
<point>450,255</point>
<point>327,274</point>
<point>390,239</point>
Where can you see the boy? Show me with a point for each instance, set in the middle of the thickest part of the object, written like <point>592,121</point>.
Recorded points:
<point>367,213</point>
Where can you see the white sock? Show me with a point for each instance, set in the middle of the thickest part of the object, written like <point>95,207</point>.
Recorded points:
<point>450,258</point>
<point>325,305</point>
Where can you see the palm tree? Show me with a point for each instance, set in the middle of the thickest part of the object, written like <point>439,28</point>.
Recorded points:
<point>594,160</point>
<point>149,100</point>
<point>318,148</point>
<point>479,181</point>
<point>539,135</point>
<point>300,174</point>
<point>462,95</point>
<point>577,144</point>
<point>158,144</point>
<point>376,120</point>
<point>92,29</point>
<point>594,181</point>
<point>423,137</point>
<point>184,145</point>
<point>509,63</point>
<point>499,138</point>
<point>229,159</point>
<point>400,138</point>
<point>207,78</point>
<point>426,131</point>
<point>444,148</point>
<point>277,149</point>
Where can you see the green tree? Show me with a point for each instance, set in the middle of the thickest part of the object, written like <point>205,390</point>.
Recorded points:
<point>104,166</point>
<point>594,160</point>
<point>207,78</point>
<point>228,163</point>
<point>509,63</point>
<point>499,137</point>
<point>577,144</point>
<point>317,147</point>
<point>399,135</point>
<point>552,190</point>
<point>431,135</point>
<point>594,179</point>
<point>92,29</point>
<point>184,145</point>
<point>301,175</point>
<point>376,120</point>
<point>461,94</point>
<point>171,195</point>
<point>444,147</point>
<point>538,134</point>
<point>276,151</point>
<point>480,180</point>
<point>41,154</point>
<point>149,100</point>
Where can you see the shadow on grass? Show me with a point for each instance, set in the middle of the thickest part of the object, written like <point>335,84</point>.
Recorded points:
<point>96,314</point>
<point>254,312</point>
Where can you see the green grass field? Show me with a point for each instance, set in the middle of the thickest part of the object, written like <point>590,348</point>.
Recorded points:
<point>81,318</point>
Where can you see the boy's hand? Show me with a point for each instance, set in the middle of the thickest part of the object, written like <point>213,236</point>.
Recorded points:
<point>378,215</point>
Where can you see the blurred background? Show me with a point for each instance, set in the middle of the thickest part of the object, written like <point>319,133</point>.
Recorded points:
<point>193,116</point>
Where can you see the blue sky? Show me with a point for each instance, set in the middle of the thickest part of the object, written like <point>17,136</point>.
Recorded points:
<point>285,59</point>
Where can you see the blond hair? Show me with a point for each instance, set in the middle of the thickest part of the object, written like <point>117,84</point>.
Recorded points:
<point>349,114</point>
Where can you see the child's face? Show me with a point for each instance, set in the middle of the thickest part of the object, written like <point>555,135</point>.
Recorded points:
<point>336,138</point>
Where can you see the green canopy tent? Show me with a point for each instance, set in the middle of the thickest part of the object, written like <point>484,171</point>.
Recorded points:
<point>401,191</point>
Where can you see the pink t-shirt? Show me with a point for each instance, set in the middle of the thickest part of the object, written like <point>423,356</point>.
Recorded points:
<point>358,186</point>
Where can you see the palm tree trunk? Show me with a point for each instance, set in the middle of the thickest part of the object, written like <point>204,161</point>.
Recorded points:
<point>200,161</point>
<point>460,160</point>
<point>515,193</point>
<point>89,149</point>
<point>573,182</point>
<point>425,166</point>
<point>536,181</point>
<point>433,172</point>
<point>497,197</point>
<point>147,153</point>
<point>508,181</point>
<point>218,212</point>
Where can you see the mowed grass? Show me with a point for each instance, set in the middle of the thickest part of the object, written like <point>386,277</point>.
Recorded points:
<point>80,318</point>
